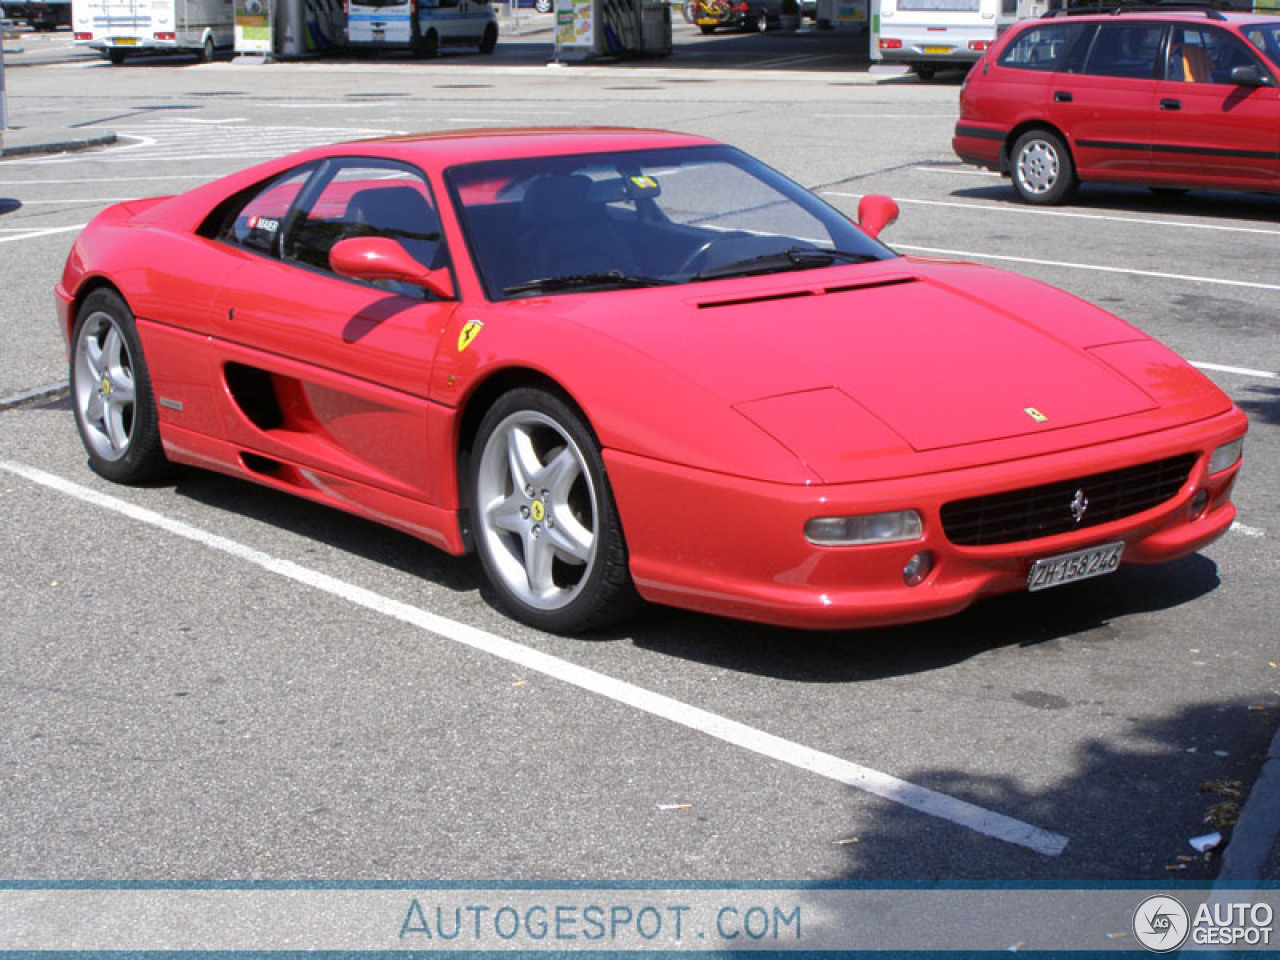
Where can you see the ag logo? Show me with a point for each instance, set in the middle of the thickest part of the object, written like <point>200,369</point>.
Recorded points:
<point>1161,923</point>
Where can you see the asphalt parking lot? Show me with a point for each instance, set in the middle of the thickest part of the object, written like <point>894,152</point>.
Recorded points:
<point>208,680</point>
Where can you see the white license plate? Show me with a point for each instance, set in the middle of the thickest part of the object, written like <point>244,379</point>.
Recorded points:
<point>1078,565</point>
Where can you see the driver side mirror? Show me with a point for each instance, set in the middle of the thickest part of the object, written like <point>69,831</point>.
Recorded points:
<point>1250,76</point>
<point>381,258</point>
<point>875,212</point>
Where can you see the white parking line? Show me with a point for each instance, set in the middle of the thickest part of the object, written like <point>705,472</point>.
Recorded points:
<point>921,799</point>
<point>46,180</point>
<point>1157,274</point>
<point>34,234</point>
<point>1239,371</point>
<point>1069,214</point>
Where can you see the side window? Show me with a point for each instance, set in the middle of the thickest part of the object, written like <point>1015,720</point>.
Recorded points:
<point>1205,55</point>
<point>365,199</point>
<point>257,225</point>
<point>1041,47</point>
<point>1125,50</point>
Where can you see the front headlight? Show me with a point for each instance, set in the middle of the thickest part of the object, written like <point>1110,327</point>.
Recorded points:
<point>1226,456</point>
<point>892,527</point>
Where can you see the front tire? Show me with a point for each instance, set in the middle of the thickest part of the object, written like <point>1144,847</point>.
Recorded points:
<point>490,38</point>
<point>111,392</point>
<point>1042,169</point>
<point>545,522</point>
<point>207,51</point>
<point>707,28</point>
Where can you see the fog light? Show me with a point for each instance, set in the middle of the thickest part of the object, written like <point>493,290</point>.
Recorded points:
<point>917,568</point>
<point>870,528</point>
<point>1199,503</point>
<point>1226,455</point>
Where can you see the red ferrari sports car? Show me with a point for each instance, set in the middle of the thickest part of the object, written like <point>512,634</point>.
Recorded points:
<point>624,365</point>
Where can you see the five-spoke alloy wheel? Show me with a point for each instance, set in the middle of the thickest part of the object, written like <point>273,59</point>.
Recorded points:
<point>546,526</point>
<point>115,409</point>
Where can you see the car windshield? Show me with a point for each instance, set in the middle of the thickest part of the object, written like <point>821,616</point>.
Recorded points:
<point>1266,37</point>
<point>543,225</point>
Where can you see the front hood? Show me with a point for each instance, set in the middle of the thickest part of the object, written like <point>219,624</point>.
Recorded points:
<point>931,361</point>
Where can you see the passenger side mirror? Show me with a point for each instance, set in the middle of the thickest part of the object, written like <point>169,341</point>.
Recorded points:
<point>380,258</point>
<point>875,212</point>
<point>1250,76</point>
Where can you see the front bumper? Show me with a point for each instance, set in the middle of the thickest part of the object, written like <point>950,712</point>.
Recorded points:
<point>736,548</point>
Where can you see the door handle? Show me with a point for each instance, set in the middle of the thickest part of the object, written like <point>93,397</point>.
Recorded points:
<point>1170,104</point>
<point>1062,96</point>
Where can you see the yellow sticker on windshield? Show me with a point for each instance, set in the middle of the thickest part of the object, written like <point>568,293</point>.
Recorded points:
<point>469,333</point>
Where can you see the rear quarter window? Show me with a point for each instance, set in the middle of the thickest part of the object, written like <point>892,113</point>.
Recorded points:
<point>1043,47</point>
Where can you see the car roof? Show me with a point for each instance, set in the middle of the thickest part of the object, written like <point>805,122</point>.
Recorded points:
<point>446,147</point>
<point>1204,14</point>
<point>433,150</point>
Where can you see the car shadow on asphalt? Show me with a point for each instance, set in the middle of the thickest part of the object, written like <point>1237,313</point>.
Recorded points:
<point>1127,801</point>
<point>1214,204</point>
<point>1084,611</point>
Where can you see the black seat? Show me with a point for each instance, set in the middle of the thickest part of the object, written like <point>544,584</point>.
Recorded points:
<point>401,213</point>
<point>567,232</point>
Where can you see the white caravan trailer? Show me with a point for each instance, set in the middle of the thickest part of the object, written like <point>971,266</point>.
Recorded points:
<point>932,35</point>
<point>120,28</point>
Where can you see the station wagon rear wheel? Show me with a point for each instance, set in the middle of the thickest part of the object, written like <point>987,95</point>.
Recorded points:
<point>111,392</point>
<point>1041,168</point>
<point>546,526</point>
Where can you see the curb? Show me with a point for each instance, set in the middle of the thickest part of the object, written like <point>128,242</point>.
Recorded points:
<point>58,143</point>
<point>1255,833</point>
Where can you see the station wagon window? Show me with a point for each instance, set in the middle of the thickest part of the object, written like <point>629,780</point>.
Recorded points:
<point>1205,55</point>
<point>1042,47</point>
<point>1266,37</point>
<point>1125,50</point>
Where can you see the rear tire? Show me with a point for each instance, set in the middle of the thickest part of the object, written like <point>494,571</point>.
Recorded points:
<point>1041,168</point>
<point>707,28</point>
<point>207,51</point>
<point>116,56</point>
<point>427,47</point>
<point>762,22</point>
<point>490,38</point>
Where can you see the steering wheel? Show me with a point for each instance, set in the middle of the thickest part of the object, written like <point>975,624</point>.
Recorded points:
<point>686,265</point>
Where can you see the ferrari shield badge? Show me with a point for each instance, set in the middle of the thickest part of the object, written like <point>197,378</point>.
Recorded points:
<point>468,333</point>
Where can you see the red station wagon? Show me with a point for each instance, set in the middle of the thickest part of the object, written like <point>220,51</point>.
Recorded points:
<point>1168,100</point>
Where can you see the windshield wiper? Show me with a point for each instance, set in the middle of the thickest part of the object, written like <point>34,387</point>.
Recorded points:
<point>796,258</point>
<point>613,278</point>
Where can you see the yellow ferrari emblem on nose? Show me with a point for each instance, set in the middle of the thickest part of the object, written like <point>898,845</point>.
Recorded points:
<point>469,333</point>
<point>1036,415</point>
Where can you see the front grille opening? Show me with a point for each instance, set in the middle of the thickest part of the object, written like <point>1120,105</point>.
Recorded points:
<point>1051,509</point>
